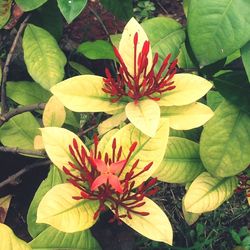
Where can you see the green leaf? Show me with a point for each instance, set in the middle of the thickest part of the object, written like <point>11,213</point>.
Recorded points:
<point>5,7</point>
<point>235,88</point>
<point>84,94</point>
<point>51,238</point>
<point>144,115</point>
<point>214,99</point>
<point>225,141</point>
<point>120,8</point>
<point>9,241</point>
<point>245,54</point>
<point>216,29</point>
<point>97,50</point>
<point>185,6</point>
<point>188,116</point>
<point>189,217</point>
<point>44,59</point>
<point>71,9</point>
<point>155,226</point>
<point>20,131</point>
<point>26,93</point>
<point>58,209</point>
<point>27,5</point>
<point>181,162</point>
<point>55,177</point>
<point>80,68</point>
<point>165,35</point>
<point>207,193</point>
<point>184,60</point>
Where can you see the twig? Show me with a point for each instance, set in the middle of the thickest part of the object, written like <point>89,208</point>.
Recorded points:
<point>11,179</point>
<point>161,6</point>
<point>5,117</point>
<point>87,130</point>
<point>4,106</point>
<point>22,151</point>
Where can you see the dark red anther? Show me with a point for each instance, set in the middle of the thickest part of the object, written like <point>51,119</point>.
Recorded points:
<point>84,195</point>
<point>136,39</point>
<point>77,197</point>
<point>148,166</point>
<point>133,146</point>
<point>71,150</point>
<point>75,144</point>
<point>143,213</point>
<point>66,171</point>
<point>114,143</point>
<point>96,140</point>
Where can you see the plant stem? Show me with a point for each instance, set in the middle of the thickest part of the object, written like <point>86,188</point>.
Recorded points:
<point>22,151</point>
<point>4,105</point>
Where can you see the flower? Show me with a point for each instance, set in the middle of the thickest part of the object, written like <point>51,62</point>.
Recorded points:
<point>109,176</point>
<point>139,92</point>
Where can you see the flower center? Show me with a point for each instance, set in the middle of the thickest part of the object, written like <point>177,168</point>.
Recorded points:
<point>144,82</point>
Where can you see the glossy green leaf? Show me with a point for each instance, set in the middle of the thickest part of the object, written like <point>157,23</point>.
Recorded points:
<point>187,116</point>
<point>165,35</point>
<point>71,9</point>
<point>27,5</point>
<point>225,141</point>
<point>214,99</point>
<point>20,131</point>
<point>120,8</point>
<point>99,49</point>
<point>185,6</point>
<point>84,94</point>
<point>181,162</point>
<point>55,177</point>
<point>207,193</point>
<point>26,93</point>
<point>144,115</point>
<point>5,7</point>
<point>245,54</point>
<point>184,60</point>
<point>235,88</point>
<point>58,209</point>
<point>81,69</point>
<point>44,59</point>
<point>216,29</point>
<point>72,118</point>
<point>9,241</point>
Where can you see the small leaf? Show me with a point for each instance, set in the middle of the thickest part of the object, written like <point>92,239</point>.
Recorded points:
<point>9,241</point>
<point>189,88</point>
<point>245,54</point>
<point>20,131</point>
<point>181,162</point>
<point>225,141</point>
<point>44,59</point>
<point>27,5</point>
<point>82,70</point>
<point>54,113</point>
<point>207,193</point>
<point>71,9</point>
<point>214,99</point>
<point>58,209</point>
<point>51,238</point>
<point>155,226</point>
<point>189,217</point>
<point>84,94</point>
<point>187,117</point>
<point>56,142</point>
<point>5,7</point>
<point>4,206</point>
<point>99,49</point>
<point>144,115</point>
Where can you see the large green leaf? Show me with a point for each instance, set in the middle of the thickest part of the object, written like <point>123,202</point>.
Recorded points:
<point>181,162</point>
<point>217,28</point>
<point>27,5</point>
<point>81,69</point>
<point>245,53</point>
<point>20,131</point>
<point>206,193</point>
<point>5,7</point>
<point>165,35</point>
<point>26,93</point>
<point>184,59</point>
<point>51,238</point>
<point>71,9</point>
<point>44,59</point>
<point>225,141</point>
<point>55,177</point>
<point>120,8</point>
<point>9,241</point>
<point>214,99</point>
<point>235,87</point>
<point>97,50</point>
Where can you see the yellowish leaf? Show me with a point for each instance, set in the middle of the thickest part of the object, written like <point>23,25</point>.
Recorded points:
<point>56,142</point>
<point>189,88</point>
<point>4,206</point>
<point>126,46</point>
<point>105,139</point>
<point>58,209</point>
<point>145,115</point>
<point>38,142</point>
<point>9,241</point>
<point>189,217</point>
<point>54,113</point>
<point>84,94</point>
<point>187,117</point>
